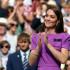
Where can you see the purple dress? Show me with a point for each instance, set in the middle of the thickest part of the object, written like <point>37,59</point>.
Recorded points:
<point>47,61</point>
<point>69,42</point>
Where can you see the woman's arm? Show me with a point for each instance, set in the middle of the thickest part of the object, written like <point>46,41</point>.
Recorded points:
<point>59,55</point>
<point>34,56</point>
<point>35,53</point>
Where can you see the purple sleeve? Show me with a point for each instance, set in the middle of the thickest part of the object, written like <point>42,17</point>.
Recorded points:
<point>34,40</point>
<point>68,41</point>
<point>65,41</point>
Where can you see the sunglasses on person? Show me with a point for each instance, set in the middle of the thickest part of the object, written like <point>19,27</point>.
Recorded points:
<point>6,46</point>
<point>13,25</point>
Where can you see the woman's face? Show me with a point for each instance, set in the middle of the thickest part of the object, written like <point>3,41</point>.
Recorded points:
<point>50,19</point>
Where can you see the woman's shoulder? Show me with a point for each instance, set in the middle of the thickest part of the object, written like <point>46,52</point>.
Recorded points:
<point>64,34</point>
<point>60,34</point>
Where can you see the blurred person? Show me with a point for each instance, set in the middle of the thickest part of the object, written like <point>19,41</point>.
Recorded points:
<point>44,7</point>
<point>28,15</point>
<point>25,17</point>
<point>14,15</point>
<point>38,20</point>
<point>39,17</point>
<point>35,4</point>
<point>50,48</point>
<point>11,35</point>
<point>3,28</point>
<point>4,53</point>
<point>66,9</point>
<point>66,15</point>
<point>4,8</point>
<point>20,61</point>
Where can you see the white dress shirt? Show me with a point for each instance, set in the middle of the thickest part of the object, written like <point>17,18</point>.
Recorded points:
<point>22,55</point>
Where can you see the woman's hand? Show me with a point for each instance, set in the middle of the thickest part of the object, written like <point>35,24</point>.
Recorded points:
<point>39,45</point>
<point>44,34</point>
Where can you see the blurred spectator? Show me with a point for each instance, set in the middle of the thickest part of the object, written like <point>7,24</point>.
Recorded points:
<point>66,15</point>
<point>66,9</point>
<point>11,35</point>
<point>29,15</point>
<point>3,28</point>
<point>3,8</point>
<point>36,22</point>
<point>18,8</point>
<point>4,52</point>
<point>23,19</point>
<point>35,4</point>
<point>39,17</point>
<point>44,8</point>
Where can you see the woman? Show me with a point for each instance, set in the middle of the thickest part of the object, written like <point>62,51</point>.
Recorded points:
<point>50,48</point>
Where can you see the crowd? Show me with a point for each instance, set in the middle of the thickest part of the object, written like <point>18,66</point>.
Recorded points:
<point>34,34</point>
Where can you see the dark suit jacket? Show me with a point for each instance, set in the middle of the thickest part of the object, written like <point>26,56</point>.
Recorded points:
<point>15,62</point>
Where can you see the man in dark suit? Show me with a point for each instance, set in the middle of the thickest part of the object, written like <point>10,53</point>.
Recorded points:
<point>19,60</point>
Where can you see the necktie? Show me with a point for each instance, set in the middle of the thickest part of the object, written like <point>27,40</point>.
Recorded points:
<point>25,62</point>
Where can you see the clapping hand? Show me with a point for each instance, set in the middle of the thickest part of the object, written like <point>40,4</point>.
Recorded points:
<point>44,34</point>
<point>39,42</point>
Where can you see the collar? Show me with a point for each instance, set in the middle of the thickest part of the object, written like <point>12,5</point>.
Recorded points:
<point>22,52</point>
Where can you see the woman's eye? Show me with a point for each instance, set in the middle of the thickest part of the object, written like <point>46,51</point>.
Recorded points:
<point>52,16</point>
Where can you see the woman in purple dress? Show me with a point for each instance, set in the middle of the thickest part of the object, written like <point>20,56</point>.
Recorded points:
<point>50,48</point>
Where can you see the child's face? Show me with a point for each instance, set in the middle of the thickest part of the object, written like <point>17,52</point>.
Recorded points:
<point>23,44</point>
<point>5,49</point>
